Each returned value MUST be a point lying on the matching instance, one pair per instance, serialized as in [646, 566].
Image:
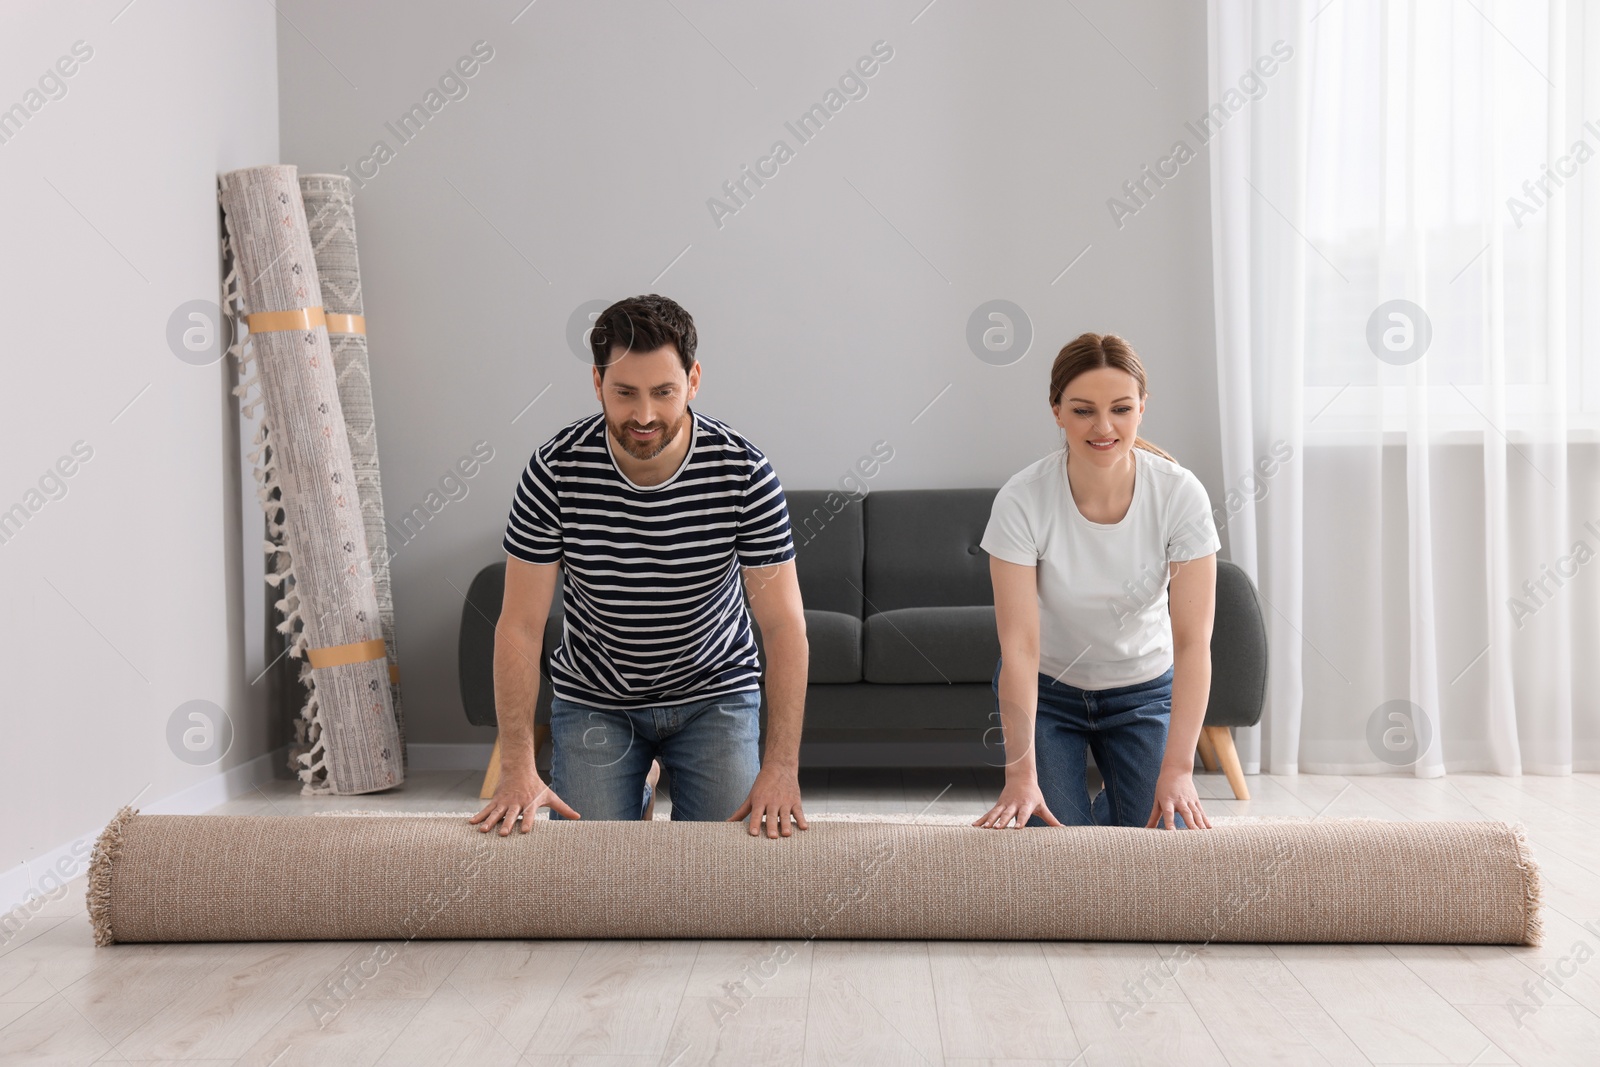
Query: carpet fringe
[98, 893]
[1532, 885]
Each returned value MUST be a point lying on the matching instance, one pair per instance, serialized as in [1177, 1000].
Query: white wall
[832, 308]
[123, 595]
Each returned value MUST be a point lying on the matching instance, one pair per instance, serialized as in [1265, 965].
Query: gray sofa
[900, 620]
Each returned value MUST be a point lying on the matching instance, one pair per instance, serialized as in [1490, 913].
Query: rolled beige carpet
[242, 878]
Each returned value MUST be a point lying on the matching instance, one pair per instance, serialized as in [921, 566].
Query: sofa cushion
[922, 548]
[948, 644]
[835, 640]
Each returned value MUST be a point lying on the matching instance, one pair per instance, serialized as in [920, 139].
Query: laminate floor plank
[872, 1003]
[999, 998]
[620, 998]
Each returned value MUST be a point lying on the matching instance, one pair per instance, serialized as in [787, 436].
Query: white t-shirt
[1103, 619]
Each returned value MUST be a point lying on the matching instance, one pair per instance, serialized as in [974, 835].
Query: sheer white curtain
[1407, 291]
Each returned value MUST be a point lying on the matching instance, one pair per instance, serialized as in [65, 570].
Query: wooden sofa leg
[491, 777]
[1208, 752]
[1222, 738]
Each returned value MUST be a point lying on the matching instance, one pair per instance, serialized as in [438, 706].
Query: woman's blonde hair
[1091, 351]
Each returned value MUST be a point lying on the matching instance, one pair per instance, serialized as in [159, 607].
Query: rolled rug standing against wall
[333, 618]
[331, 221]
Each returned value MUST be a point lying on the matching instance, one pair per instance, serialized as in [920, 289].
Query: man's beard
[645, 449]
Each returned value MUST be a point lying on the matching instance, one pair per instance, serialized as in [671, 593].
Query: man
[655, 511]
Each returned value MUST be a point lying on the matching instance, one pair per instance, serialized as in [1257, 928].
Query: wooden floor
[881, 1003]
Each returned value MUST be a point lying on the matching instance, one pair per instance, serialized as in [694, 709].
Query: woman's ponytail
[1139, 442]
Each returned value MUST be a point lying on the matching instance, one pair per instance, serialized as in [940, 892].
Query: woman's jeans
[599, 758]
[1125, 728]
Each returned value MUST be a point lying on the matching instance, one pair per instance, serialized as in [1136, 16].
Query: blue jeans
[1125, 728]
[599, 758]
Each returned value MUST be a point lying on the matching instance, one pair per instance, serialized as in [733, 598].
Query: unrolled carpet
[331, 223]
[241, 878]
[307, 485]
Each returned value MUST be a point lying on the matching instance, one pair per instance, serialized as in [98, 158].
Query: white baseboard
[895, 754]
[475, 757]
[41, 878]
[464, 756]
[231, 784]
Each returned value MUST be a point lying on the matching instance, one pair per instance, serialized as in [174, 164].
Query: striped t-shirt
[655, 612]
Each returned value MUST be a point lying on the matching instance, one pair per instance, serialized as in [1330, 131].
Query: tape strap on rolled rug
[359, 652]
[293, 319]
[306, 319]
[339, 655]
[163, 878]
[346, 323]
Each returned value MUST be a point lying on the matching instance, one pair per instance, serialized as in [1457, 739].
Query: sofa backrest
[828, 545]
[922, 548]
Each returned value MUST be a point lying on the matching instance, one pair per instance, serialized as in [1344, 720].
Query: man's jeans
[1125, 728]
[710, 748]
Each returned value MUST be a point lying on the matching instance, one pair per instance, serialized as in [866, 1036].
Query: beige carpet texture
[165, 878]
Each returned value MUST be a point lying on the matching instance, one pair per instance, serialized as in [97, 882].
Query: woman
[1088, 548]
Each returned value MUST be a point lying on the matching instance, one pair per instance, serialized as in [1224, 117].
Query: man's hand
[773, 798]
[1175, 792]
[520, 797]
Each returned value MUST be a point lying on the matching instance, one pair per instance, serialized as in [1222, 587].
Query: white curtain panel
[1406, 256]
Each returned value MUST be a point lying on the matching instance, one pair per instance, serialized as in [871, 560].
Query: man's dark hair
[642, 324]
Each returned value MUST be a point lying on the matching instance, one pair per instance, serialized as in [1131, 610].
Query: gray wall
[123, 581]
[832, 308]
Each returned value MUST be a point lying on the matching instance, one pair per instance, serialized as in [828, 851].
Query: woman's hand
[1175, 792]
[1019, 799]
